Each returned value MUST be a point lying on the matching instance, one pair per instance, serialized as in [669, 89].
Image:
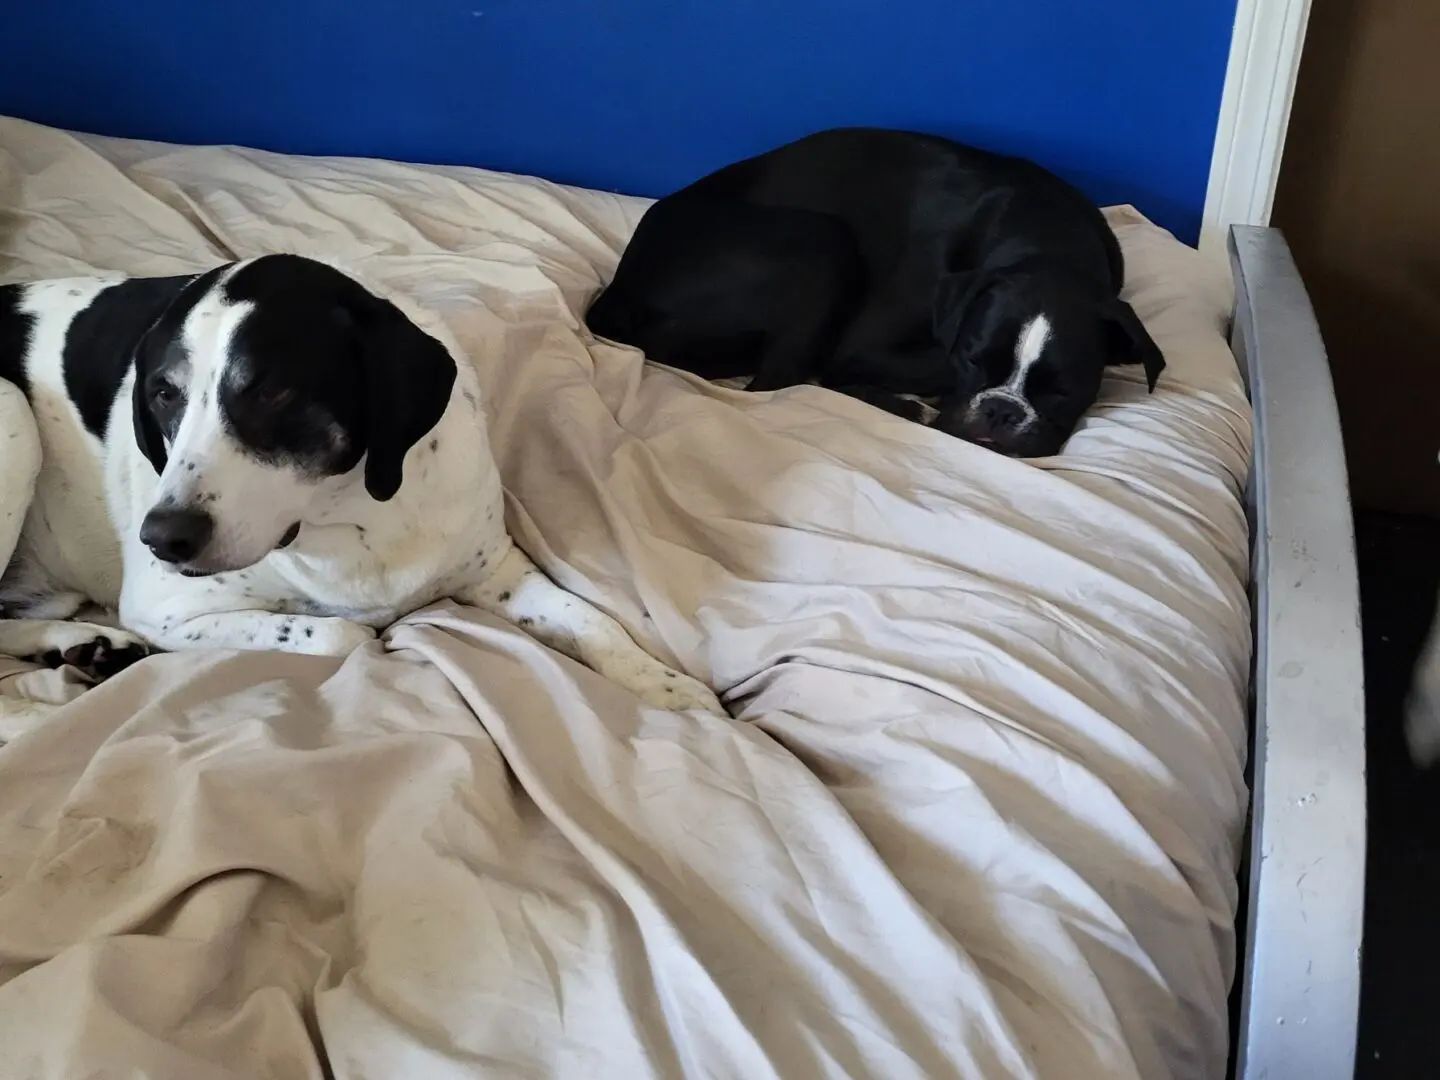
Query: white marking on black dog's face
[260, 383]
[1006, 405]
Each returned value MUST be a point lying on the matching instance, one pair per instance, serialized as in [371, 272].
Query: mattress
[977, 814]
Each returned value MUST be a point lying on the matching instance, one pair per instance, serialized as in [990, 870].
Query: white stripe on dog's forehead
[1029, 347]
[207, 334]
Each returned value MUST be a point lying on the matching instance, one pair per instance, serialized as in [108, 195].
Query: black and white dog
[885, 263]
[265, 456]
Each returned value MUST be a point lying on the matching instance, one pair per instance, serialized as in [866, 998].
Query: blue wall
[642, 95]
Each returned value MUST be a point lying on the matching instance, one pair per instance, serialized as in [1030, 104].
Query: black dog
[885, 263]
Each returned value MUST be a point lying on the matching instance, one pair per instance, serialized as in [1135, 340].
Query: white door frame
[1254, 117]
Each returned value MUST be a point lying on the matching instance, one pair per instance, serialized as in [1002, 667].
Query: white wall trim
[1254, 117]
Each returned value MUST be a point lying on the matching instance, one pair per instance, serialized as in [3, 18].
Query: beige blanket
[977, 814]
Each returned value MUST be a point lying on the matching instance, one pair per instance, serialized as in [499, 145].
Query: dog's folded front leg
[257, 630]
[520, 593]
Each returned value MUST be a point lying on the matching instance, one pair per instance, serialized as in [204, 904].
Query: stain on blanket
[96, 851]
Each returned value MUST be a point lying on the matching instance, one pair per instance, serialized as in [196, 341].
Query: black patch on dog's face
[320, 355]
[319, 373]
[291, 392]
[99, 342]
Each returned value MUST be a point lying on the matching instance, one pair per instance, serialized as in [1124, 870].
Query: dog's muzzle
[177, 535]
[1001, 415]
[1003, 423]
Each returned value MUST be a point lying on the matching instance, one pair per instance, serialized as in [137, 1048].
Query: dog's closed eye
[272, 397]
[265, 394]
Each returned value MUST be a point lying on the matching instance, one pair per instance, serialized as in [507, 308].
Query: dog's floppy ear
[159, 297]
[148, 435]
[1130, 342]
[953, 296]
[408, 378]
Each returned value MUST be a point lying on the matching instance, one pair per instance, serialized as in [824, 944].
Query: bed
[984, 808]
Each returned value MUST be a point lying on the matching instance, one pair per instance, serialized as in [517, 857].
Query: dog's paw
[96, 652]
[320, 636]
[917, 409]
[674, 690]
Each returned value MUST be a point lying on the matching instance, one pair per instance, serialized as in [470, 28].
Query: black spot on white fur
[325, 373]
[15, 330]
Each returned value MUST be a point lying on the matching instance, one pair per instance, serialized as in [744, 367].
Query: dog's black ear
[1130, 342]
[953, 296]
[148, 435]
[408, 379]
[153, 299]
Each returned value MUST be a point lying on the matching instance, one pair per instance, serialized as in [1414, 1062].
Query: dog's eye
[164, 394]
[271, 397]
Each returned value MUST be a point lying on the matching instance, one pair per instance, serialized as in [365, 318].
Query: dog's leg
[791, 356]
[236, 611]
[1422, 706]
[95, 650]
[98, 651]
[312, 635]
[816, 307]
[19, 467]
[520, 593]
[891, 343]
[905, 406]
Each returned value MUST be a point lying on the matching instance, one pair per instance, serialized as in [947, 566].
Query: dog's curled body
[269, 455]
[976, 292]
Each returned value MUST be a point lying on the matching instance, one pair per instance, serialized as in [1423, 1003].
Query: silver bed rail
[1301, 990]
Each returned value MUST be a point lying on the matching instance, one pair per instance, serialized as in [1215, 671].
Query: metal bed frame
[1300, 990]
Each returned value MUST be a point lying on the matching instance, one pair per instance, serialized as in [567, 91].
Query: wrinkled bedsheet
[977, 815]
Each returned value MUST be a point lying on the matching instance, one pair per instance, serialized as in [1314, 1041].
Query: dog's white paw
[652, 682]
[667, 689]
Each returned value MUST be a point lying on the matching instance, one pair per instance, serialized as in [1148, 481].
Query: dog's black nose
[1002, 413]
[176, 535]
